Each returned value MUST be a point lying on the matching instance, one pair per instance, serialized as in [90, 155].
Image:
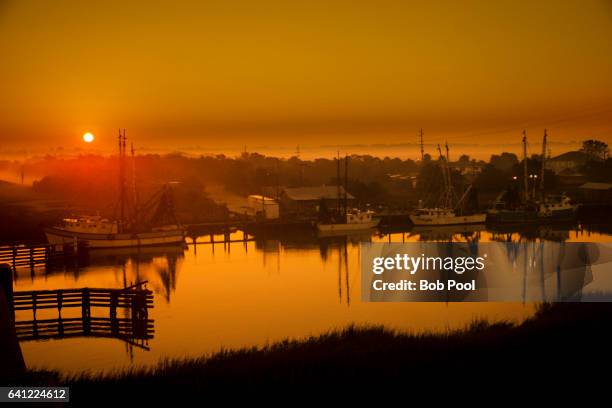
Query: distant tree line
[392, 182]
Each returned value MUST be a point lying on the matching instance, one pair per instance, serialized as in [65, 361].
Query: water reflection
[250, 292]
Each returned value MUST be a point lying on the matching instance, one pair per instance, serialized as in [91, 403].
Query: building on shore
[567, 162]
[263, 207]
[596, 193]
[304, 202]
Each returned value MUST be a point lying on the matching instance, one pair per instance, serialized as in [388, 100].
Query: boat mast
[543, 162]
[451, 192]
[338, 193]
[346, 160]
[525, 182]
[447, 154]
[446, 201]
[121, 184]
[134, 190]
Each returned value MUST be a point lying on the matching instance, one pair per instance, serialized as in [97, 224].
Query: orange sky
[225, 74]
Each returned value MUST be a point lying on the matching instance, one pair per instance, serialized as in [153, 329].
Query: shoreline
[557, 335]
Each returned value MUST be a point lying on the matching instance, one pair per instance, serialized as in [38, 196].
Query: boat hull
[511, 217]
[531, 217]
[349, 227]
[560, 215]
[59, 237]
[448, 220]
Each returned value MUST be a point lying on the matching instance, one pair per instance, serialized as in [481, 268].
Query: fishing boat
[345, 220]
[552, 209]
[450, 211]
[151, 224]
[557, 207]
[444, 216]
[356, 220]
[525, 207]
[85, 232]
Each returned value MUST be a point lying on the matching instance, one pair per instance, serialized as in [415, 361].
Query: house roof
[596, 186]
[316, 193]
[575, 156]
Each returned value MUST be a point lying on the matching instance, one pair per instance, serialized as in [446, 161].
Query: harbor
[324, 199]
[202, 283]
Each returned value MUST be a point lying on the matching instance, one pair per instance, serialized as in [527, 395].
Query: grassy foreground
[559, 338]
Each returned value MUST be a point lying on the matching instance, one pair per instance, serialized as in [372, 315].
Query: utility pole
[422, 147]
[297, 155]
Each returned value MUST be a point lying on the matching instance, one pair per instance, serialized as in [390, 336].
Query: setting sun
[88, 137]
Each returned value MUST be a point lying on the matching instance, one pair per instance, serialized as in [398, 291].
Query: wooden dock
[134, 298]
[62, 328]
[136, 329]
[32, 255]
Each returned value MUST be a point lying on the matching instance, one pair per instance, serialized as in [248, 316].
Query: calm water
[211, 297]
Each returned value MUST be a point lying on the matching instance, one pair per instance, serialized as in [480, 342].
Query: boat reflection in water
[254, 292]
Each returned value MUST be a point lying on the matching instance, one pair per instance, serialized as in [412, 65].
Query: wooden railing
[135, 332]
[136, 329]
[136, 299]
[30, 255]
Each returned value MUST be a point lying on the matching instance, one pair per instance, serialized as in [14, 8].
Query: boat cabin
[434, 212]
[90, 224]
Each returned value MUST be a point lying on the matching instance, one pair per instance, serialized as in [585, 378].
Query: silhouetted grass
[556, 339]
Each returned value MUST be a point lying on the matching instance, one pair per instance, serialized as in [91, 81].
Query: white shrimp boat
[95, 232]
[450, 210]
[533, 209]
[443, 216]
[356, 220]
[133, 229]
[345, 220]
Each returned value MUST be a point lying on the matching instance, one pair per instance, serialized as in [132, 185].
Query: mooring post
[113, 304]
[31, 257]
[114, 299]
[60, 299]
[139, 313]
[139, 305]
[6, 284]
[10, 352]
[86, 311]
[34, 299]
